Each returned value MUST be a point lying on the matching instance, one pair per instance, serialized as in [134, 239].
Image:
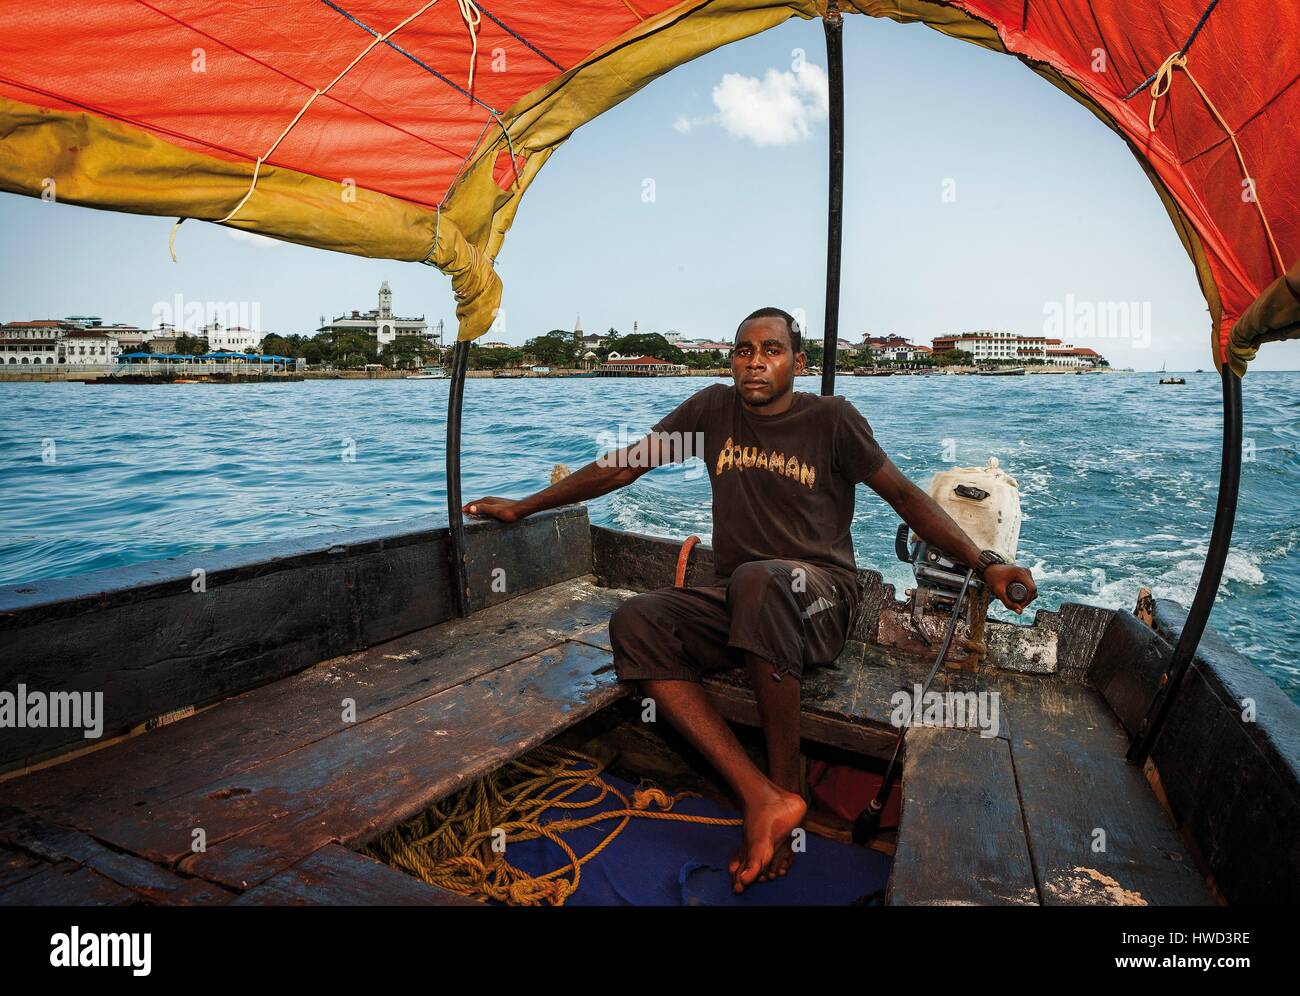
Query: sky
[977, 197]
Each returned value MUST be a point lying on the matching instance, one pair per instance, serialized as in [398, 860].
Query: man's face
[763, 364]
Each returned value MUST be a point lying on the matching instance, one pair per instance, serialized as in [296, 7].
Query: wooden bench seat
[341, 751]
[1053, 815]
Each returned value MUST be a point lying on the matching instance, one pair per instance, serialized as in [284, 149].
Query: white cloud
[261, 241]
[778, 109]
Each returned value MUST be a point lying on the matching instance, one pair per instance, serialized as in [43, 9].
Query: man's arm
[615, 470]
[937, 528]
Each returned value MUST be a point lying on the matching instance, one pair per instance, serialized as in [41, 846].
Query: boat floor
[265, 797]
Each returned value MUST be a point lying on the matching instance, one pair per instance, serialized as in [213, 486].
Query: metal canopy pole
[1225, 514]
[834, 26]
[455, 518]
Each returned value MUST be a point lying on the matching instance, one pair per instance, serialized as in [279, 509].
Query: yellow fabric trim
[102, 163]
[1272, 316]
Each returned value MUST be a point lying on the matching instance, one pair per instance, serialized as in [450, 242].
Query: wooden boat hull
[230, 707]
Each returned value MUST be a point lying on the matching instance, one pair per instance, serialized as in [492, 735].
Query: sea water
[1118, 475]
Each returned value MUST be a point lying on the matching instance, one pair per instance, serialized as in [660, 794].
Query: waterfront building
[704, 346]
[129, 338]
[382, 323]
[1035, 349]
[638, 366]
[893, 348]
[235, 339]
[87, 347]
[30, 343]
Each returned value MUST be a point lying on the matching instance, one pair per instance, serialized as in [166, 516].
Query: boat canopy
[410, 131]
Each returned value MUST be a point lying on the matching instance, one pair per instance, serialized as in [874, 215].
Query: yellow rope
[450, 845]
[171, 239]
[1160, 85]
[257, 168]
[470, 14]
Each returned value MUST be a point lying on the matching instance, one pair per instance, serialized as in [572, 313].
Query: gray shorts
[788, 613]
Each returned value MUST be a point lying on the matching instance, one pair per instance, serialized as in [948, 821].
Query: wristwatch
[987, 558]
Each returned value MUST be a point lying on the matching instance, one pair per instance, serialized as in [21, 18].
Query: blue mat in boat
[669, 863]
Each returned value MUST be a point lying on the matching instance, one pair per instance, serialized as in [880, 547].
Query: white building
[894, 347]
[993, 345]
[383, 324]
[88, 347]
[703, 346]
[130, 338]
[30, 343]
[235, 339]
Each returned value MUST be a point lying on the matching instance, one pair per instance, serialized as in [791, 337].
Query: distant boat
[428, 373]
[1010, 372]
[1170, 380]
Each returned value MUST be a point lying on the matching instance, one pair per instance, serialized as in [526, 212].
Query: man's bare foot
[765, 848]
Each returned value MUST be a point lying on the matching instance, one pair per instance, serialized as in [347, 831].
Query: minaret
[385, 301]
[577, 339]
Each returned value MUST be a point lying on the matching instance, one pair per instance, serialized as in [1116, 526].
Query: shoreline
[81, 375]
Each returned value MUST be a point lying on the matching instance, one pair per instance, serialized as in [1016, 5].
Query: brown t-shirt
[783, 485]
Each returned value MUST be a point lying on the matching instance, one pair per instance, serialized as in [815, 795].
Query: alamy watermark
[34, 710]
[194, 316]
[102, 950]
[1073, 319]
[959, 710]
[632, 449]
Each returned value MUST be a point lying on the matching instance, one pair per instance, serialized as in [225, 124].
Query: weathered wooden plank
[148, 881]
[1229, 763]
[1078, 793]
[1082, 628]
[503, 561]
[274, 719]
[351, 786]
[16, 866]
[1238, 804]
[960, 838]
[1126, 668]
[850, 703]
[336, 876]
[825, 708]
[67, 884]
[644, 563]
[191, 630]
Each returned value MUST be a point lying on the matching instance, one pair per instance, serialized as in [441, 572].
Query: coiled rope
[457, 843]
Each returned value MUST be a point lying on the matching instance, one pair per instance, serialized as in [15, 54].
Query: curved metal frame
[834, 26]
[455, 518]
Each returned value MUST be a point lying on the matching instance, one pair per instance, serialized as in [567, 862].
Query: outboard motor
[948, 607]
[985, 502]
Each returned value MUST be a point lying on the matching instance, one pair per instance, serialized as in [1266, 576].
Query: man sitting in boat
[784, 466]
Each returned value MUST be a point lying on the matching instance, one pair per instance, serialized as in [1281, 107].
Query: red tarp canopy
[376, 140]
